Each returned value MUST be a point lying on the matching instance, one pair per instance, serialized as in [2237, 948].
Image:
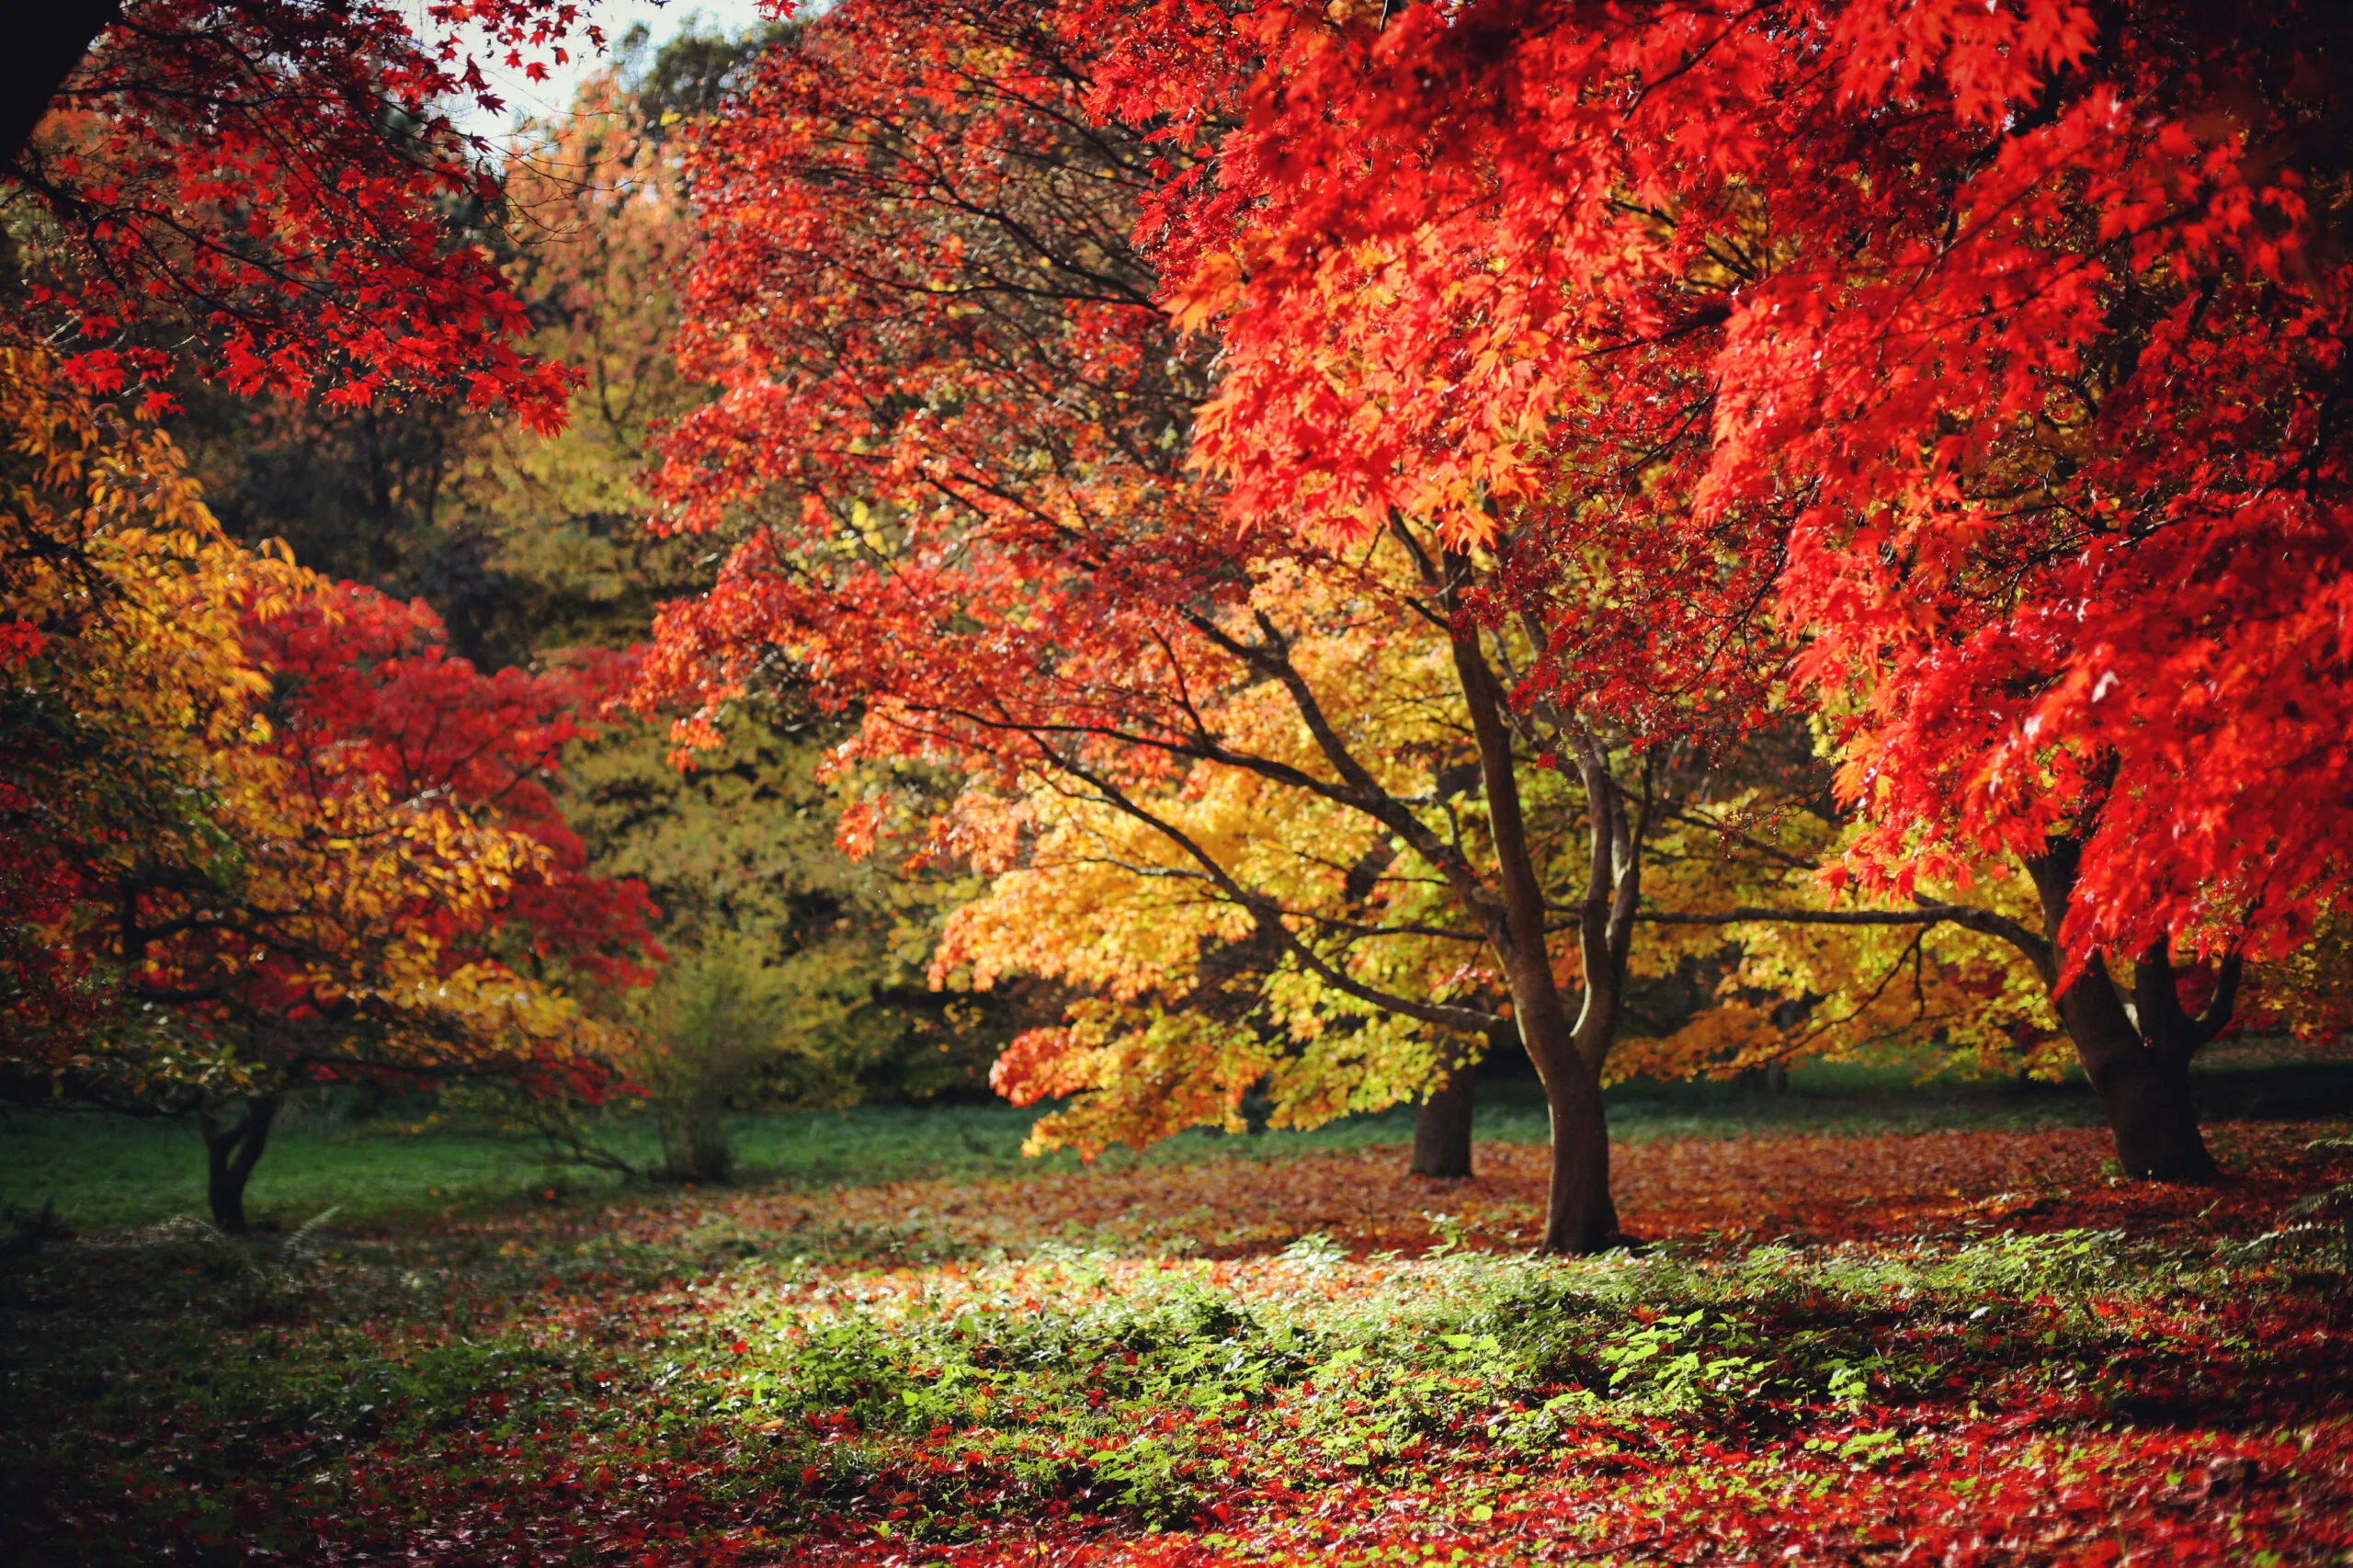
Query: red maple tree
[2019, 329]
[317, 959]
[365, 686]
[955, 445]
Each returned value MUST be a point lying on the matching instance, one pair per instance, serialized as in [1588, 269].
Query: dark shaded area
[50, 40]
[2287, 1092]
[1831, 1097]
[1442, 1128]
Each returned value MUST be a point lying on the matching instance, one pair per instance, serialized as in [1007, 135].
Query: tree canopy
[1920, 392]
[270, 833]
[275, 191]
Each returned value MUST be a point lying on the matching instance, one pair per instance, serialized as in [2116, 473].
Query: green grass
[103, 1171]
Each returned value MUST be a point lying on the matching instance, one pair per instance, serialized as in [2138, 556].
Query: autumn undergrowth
[555, 1384]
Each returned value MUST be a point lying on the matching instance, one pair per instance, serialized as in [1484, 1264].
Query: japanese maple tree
[276, 837]
[2015, 337]
[462, 903]
[954, 443]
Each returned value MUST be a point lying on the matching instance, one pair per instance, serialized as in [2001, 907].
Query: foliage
[527, 547]
[1942, 995]
[739, 853]
[276, 190]
[129, 692]
[2014, 340]
[727, 1027]
[283, 837]
[950, 448]
[524, 542]
[1134, 904]
[936, 558]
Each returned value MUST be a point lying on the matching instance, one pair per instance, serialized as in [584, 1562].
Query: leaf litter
[1955, 1348]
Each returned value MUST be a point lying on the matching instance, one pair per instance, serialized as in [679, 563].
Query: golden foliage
[215, 904]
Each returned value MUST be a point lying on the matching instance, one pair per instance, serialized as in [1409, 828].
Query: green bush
[725, 1028]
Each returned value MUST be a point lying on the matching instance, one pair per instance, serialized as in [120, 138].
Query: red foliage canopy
[367, 690]
[284, 178]
[954, 434]
[958, 433]
[951, 428]
[2027, 319]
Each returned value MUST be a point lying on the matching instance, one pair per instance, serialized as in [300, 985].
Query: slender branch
[1266, 914]
[1930, 914]
[2224, 1001]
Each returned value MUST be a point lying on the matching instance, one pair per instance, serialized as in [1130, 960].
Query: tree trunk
[1442, 1126]
[1579, 1215]
[2140, 1070]
[231, 1152]
[1605, 935]
[2146, 1096]
[2156, 1123]
[45, 43]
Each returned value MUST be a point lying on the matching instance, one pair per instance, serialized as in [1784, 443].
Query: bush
[726, 1028]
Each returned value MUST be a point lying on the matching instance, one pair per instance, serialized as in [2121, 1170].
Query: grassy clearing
[104, 1171]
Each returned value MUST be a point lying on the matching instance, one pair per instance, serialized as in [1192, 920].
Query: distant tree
[738, 851]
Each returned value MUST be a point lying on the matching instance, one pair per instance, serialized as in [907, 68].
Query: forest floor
[1962, 1345]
